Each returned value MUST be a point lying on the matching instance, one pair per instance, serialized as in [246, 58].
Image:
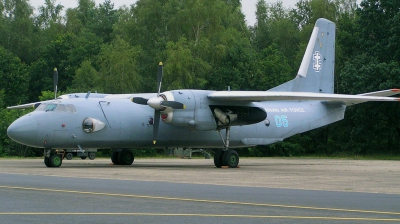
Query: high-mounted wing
[25, 106]
[257, 96]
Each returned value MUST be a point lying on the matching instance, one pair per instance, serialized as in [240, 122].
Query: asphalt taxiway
[187, 191]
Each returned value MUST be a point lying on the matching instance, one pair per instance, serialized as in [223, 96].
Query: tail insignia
[317, 61]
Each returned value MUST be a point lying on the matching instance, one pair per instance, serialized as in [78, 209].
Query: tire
[231, 158]
[126, 157]
[83, 157]
[218, 158]
[92, 155]
[69, 155]
[114, 157]
[47, 161]
[55, 160]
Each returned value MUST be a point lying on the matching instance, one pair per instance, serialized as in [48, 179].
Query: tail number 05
[281, 121]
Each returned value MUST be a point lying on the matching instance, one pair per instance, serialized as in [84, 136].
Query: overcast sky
[248, 6]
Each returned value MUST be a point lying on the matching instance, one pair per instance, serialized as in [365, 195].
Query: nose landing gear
[53, 158]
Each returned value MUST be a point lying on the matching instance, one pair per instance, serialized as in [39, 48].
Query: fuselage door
[112, 117]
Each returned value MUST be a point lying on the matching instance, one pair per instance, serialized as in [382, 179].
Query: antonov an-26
[201, 119]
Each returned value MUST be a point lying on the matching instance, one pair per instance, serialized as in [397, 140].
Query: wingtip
[395, 90]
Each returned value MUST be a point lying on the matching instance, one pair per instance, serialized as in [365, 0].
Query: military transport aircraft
[219, 120]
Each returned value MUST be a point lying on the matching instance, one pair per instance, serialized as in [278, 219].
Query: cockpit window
[50, 107]
[61, 107]
[41, 107]
[56, 107]
[70, 108]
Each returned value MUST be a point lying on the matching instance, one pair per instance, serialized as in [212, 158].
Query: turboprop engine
[199, 113]
[196, 115]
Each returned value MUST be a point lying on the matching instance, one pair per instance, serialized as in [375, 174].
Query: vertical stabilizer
[316, 72]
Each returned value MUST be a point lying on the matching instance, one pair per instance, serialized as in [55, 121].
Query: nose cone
[24, 130]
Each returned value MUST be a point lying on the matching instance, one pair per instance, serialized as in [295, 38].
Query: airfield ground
[370, 176]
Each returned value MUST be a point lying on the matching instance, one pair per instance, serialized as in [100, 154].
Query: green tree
[14, 76]
[180, 67]
[86, 79]
[18, 34]
[49, 14]
[105, 16]
[118, 67]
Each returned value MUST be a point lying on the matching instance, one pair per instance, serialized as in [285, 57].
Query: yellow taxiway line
[200, 215]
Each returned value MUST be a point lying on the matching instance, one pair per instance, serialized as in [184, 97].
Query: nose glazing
[24, 130]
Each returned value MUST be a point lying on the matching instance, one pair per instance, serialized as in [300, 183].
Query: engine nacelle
[197, 114]
[237, 115]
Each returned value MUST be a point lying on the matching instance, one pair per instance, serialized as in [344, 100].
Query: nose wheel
[52, 158]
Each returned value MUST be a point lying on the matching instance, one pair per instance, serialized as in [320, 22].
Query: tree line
[204, 44]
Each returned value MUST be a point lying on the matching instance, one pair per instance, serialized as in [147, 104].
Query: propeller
[158, 103]
[157, 112]
[55, 82]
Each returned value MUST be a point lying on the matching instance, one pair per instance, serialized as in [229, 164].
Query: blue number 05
[281, 120]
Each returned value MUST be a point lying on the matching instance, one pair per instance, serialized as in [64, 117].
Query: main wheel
[92, 155]
[126, 157]
[69, 155]
[83, 157]
[55, 160]
[47, 161]
[230, 158]
[114, 157]
[218, 158]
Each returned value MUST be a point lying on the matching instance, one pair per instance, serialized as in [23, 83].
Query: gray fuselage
[129, 125]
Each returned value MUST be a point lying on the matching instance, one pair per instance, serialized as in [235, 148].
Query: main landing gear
[122, 157]
[226, 157]
[53, 158]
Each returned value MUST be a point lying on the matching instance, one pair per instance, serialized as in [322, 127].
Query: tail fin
[316, 72]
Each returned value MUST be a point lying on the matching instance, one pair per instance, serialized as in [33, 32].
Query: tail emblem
[317, 61]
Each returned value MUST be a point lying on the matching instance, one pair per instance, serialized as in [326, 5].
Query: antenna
[55, 81]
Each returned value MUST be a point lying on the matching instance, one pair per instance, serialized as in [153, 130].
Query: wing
[25, 106]
[256, 96]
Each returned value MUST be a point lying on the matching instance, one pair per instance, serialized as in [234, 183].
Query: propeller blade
[173, 104]
[55, 82]
[156, 124]
[159, 78]
[139, 100]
